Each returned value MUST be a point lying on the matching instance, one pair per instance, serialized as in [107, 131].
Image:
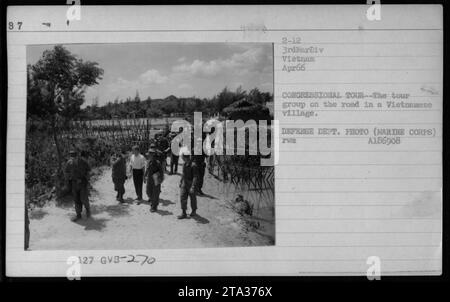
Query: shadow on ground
[164, 212]
[128, 200]
[165, 202]
[37, 214]
[92, 224]
[114, 210]
[200, 219]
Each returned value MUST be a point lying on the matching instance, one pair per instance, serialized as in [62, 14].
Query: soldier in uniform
[78, 170]
[162, 148]
[188, 183]
[119, 174]
[153, 179]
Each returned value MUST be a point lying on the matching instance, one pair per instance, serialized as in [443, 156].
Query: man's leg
[172, 163]
[140, 182]
[211, 163]
[201, 177]
[149, 189]
[164, 163]
[121, 190]
[84, 198]
[138, 179]
[176, 164]
[184, 192]
[193, 199]
[155, 196]
[116, 188]
[135, 181]
[77, 202]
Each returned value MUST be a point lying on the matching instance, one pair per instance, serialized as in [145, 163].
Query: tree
[256, 96]
[57, 83]
[56, 87]
[137, 99]
[227, 97]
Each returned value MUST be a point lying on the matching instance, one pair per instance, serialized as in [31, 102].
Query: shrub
[43, 181]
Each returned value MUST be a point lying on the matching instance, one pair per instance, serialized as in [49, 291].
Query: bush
[43, 181]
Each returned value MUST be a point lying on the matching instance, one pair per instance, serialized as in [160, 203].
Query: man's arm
[146, 171]
[129, 167]
[145, 165]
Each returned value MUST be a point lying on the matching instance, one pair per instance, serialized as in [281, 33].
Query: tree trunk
[59, 181]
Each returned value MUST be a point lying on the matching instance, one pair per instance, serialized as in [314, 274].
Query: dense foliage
[42, 178]
[56, 85]
[172, 105]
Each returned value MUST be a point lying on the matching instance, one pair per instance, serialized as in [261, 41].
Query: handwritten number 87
[11, 25]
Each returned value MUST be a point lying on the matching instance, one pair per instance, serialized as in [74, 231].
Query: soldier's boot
[183, 215]
[88, 213]
[193, 213]
[76, 218]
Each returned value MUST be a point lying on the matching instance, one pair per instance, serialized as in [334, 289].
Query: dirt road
[132, 226]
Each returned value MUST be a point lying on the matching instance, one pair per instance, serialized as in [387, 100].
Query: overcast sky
[162, 69]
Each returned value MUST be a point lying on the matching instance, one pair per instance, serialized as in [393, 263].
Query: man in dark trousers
[201, 165]
[119, 174]
[162, 148]
[153, 178]
[137, 166]
[188, 183]
[78, 170]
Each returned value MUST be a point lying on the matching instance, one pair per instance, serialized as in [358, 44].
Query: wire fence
[255, 184]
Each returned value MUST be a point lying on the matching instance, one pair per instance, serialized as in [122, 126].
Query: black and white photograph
[107, 167]
[215, 142]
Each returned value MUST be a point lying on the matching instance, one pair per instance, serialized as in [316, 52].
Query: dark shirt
[77, 169]
[153, 166]
[162, 144]
[119, 168]
[190, 174]
[199, 159]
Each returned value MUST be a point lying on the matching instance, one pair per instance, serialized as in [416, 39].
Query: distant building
[177, 114]
[132, 115]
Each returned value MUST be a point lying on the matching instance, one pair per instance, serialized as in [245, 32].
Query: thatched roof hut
[246, 110]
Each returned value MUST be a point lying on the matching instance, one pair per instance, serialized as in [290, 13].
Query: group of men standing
[148, 170]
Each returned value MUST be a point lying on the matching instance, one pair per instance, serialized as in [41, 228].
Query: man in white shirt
[137, 165]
